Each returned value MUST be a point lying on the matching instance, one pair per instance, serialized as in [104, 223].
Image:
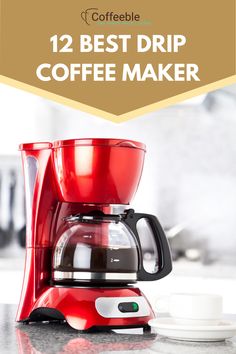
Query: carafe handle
[164, 255]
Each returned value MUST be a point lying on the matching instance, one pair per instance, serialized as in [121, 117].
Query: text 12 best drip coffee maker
[83, 244]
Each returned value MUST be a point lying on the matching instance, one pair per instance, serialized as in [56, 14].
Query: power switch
[128, 307]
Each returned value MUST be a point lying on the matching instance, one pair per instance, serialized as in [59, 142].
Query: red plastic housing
[78, 306]
[100, 171]
[65, 178]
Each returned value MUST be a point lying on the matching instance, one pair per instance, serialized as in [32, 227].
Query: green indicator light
[135, 306]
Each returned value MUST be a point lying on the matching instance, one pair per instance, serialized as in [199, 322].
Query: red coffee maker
[83, 243]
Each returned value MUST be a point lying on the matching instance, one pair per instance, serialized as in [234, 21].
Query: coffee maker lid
[35, 146]
[99, 142]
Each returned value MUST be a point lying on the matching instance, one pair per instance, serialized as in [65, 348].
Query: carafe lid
[93, 218]
[99, 142]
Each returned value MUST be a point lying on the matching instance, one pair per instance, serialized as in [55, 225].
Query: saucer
[168, 327]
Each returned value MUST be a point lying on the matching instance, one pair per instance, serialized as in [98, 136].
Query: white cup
[196, 309]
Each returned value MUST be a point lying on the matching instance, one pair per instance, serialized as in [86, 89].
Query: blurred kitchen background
[189, 182]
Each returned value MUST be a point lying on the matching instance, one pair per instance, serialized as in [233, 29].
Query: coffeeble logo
[86, 15]
[93, 14]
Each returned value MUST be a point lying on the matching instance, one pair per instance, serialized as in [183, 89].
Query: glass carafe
[103, 248]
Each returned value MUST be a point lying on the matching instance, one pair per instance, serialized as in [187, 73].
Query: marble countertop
[60, 338]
